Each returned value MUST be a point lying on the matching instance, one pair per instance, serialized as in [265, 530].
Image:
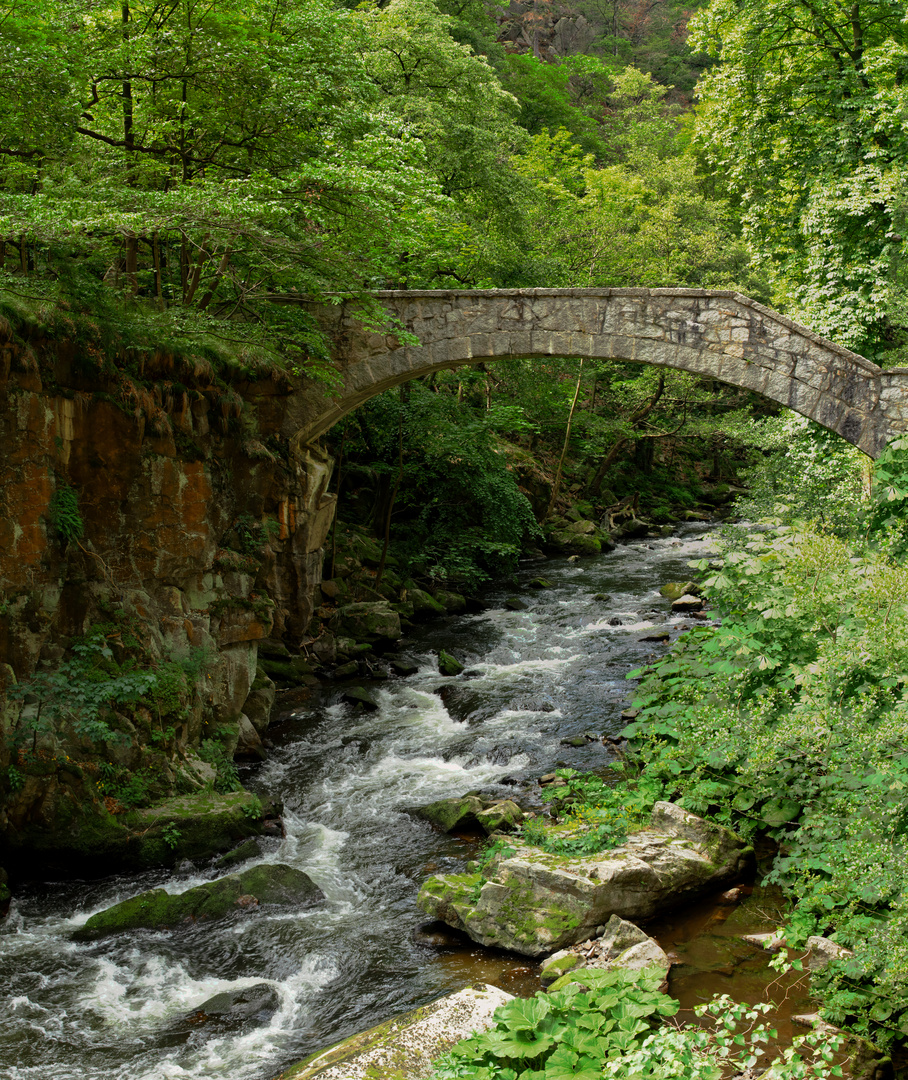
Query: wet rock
[674, 590]
[576, 740]
[361, 698]
[534, 902]
[514, 603]
[629, 714]
[425, 606]
[249, 849]
[540, 583]
[466, 705]
[260, 701]
[405, 1047]
[362, 745]
[404, 667]
[231, 1011]
[157, 909]
[5, 894]
[602, 597]
[346, 671]
[451, 815]
[447, 665]
[500, 816]
[615, 622]
[687, 603]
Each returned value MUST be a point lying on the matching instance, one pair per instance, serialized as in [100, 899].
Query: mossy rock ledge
[534, 902]
[268, 883]
[403, 1048]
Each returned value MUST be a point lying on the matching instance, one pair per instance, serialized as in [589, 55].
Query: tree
[803, 117]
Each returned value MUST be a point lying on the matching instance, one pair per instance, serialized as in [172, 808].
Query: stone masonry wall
[720, 335]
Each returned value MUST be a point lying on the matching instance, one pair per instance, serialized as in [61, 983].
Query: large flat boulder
[268, 883]
[403, 1048]
[535, 902]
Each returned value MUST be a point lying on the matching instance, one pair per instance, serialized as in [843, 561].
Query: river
[118, 1008]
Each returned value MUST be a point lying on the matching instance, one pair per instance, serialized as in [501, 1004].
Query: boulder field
[533, 902]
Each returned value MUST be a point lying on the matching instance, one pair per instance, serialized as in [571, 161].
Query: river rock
[404, 667]
[451, 815]
[230, 1011]
[404, 1047]
[249, 849]
[534, 902]
[686, 603]
[447, 665]
[500, 816]
[361, 698]
[5, 894]
[622, 944]
[674, 590]
[425, 606]
[369, 622]
[453, 603]
[269, 883]
[249, 743]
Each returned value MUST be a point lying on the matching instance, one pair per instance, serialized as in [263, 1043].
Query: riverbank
[346, 777]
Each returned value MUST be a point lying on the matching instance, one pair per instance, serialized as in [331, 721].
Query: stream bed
[124, 1007]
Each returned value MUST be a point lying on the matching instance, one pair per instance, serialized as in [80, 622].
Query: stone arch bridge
[719, 335]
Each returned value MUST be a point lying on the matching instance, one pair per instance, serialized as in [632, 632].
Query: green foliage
[802, 120]
[458, 515]
[171, 835]
[791, 719]
[214, 751]
[607, 1025]
[65, 516]
[571, 1032]
[800, 471]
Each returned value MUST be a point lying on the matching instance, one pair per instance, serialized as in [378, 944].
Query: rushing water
[118, 1008]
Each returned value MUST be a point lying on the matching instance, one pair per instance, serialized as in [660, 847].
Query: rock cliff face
[153, 511]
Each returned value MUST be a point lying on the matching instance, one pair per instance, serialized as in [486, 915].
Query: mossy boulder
[230, 1012]
[448, 665]
[369, 622]
[193, 826]
[268, 883]
[404, 1047]
[674, 590]
[425, 606]
[500, 816]
[534, 902]
[450, 815]
[453, 603]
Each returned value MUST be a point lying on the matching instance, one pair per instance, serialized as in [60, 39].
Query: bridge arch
[717, 334]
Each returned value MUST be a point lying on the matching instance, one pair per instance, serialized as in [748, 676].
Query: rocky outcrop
[268, 883]
[533, 902]
[404, 1047]
[137, 512]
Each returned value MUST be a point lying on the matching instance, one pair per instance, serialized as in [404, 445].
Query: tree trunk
[567, 438]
